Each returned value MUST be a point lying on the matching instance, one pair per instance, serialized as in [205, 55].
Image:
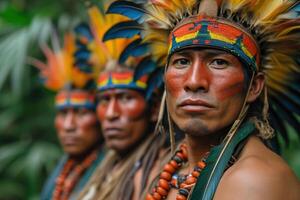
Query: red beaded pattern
[69, 176]
[165, 181]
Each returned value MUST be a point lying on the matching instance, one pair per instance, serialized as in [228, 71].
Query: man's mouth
[70, 140]
[195, 105]
[113, 132]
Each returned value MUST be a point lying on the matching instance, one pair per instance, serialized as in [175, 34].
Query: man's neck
[198, 147]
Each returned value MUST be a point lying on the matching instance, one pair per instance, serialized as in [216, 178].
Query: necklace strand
[167, 178]
[69, 176]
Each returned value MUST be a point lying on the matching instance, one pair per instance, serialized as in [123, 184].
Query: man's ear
[256, 87]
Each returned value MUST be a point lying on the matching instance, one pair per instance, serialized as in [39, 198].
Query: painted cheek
[101, 111]
[85, 122]
[133, 110]
[174, 82]
[230, 86]
[58, 123]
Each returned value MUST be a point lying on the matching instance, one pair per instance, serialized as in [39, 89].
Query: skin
[124, 118]
[78, 130]
[204, 99]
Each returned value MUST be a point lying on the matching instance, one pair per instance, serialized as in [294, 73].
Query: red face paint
[205, 89]
[122, 113]
[78, 130]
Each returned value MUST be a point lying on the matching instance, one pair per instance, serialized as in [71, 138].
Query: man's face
[124, 122]
[205, 90]
[78, 130]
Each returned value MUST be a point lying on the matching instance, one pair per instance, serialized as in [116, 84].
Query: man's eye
[103, 100]
[181, 62]
[82, 111]
[125, 97]
[219, 63]
[62, 112]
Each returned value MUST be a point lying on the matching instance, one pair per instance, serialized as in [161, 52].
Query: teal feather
[287, 115]
[145, 66]
[276, 122]
[126, 29]
[135, 49]
[129, 9]
[217, 162]
[155, 82]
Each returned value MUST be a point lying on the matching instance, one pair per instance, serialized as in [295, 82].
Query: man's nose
[113, 110]
[69, 124]
[197, 78]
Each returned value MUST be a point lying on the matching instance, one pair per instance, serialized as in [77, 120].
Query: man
[76, 123]
[221, 57]
[127, 108]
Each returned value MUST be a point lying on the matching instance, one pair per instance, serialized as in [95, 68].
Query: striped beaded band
[122, 80]
[216, 33]
[75, 99]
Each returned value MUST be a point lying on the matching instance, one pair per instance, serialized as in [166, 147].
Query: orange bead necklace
[168, 179]
[65, 182]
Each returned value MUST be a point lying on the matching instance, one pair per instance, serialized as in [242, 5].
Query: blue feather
[126, 29]
[276, 122]
[129, 9]
[155, 81]
[135, 49]
[288, 117]
[296, 9]
[80, 45]
[83, 66]
[82, 55]
[146, 66]
[290, 102]
[84, 30]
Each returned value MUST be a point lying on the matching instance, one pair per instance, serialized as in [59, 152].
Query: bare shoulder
[259, 174]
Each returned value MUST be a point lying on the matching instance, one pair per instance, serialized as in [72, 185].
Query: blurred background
[28, 145]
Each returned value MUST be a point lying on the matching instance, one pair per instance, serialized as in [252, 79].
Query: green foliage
[28, 147]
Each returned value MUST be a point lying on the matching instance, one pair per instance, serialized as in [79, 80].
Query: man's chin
[194, 127]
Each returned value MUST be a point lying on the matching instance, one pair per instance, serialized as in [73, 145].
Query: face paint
[204, 90]
[122, 113]
[78, 130]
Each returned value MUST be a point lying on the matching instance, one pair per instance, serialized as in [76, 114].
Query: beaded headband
[110, 80]
[74, 99]
[217, 33]
[59, 73]
[123, 63]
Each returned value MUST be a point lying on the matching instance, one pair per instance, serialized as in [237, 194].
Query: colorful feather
[145, 66]
[129, 9]
[135, 49]
[127, 29]
[155, 82]
[59, 69]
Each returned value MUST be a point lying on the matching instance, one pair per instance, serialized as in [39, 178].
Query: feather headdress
[123, 62]
[59, 70]
[263, 34]
[60, 74]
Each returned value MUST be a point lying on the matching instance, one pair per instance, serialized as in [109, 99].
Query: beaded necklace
[71, 172]
[169, 179]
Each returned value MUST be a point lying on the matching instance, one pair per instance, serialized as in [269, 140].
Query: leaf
[10, 152]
